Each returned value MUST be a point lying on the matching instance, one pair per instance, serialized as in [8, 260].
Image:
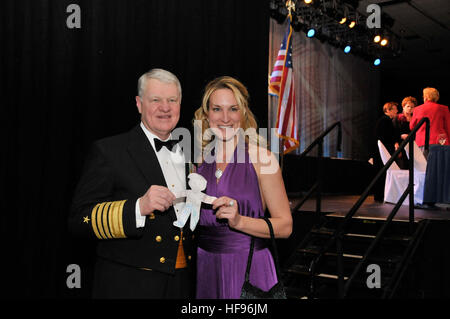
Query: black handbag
[251, 292]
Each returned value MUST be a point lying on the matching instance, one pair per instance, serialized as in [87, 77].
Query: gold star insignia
[86, 220]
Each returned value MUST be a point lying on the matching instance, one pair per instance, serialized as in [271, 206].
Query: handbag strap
[274, 249]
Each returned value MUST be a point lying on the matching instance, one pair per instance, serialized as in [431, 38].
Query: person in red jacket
[439, 116]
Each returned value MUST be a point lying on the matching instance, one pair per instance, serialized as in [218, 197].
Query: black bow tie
[168, 144]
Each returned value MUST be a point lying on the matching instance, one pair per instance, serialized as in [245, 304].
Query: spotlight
[377, 39]
[343, 20]
[377, 62]
[347, 49]
[308, 1]
[384, 42]
[352, 24]
[311, 32]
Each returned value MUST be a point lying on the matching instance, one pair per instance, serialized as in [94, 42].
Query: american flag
[281, 83]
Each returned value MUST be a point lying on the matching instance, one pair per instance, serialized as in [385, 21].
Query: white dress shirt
[173, 168]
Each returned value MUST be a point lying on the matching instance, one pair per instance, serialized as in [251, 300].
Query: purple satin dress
[223, 252]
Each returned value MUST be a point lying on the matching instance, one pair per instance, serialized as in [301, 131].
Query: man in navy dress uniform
[125, 200]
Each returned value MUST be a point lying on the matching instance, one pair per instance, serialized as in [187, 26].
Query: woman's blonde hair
[242, 97]
[430, 94]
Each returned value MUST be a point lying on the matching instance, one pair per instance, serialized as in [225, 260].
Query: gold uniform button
[158, 239]
[189, 257]
[162, 260]
[151, 216]
[177, 238]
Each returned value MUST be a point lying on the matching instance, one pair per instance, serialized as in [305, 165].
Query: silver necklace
[218, 173]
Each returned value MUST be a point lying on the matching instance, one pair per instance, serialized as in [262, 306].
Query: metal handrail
[317, 187]
[338, 233]
[388, 164]
[401, 268]
[321, 136]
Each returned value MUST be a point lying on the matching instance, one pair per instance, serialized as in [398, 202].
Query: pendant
[218, 173]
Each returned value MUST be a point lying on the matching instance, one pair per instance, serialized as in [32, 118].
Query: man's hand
[156, 198]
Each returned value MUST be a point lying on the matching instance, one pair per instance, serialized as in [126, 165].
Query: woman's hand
[227, 209]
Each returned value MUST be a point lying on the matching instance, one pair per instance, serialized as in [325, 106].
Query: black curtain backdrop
[63, 88]
[397, 83]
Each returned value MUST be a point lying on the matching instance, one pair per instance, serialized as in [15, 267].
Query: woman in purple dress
[246, 179]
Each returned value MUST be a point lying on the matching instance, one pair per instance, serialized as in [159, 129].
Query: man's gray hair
[160, 75]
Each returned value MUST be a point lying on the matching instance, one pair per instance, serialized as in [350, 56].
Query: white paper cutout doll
[194, 199]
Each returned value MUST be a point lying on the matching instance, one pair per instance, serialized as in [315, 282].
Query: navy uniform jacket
[118, 171]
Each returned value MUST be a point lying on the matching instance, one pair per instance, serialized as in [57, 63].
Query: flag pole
[290, 5]
[285, 54]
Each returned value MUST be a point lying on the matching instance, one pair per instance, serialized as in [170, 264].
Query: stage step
[365, 225]
[393, 237]
[359, 233]
[315, 251]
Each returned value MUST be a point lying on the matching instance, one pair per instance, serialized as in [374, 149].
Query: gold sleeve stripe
[110, 225]
[112, 217]
[105, 221]
[122, 232]
[94, 221]
[117, 219]
[101, 211]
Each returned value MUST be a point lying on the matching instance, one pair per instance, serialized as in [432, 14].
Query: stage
[339, 205]
[426, 271]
